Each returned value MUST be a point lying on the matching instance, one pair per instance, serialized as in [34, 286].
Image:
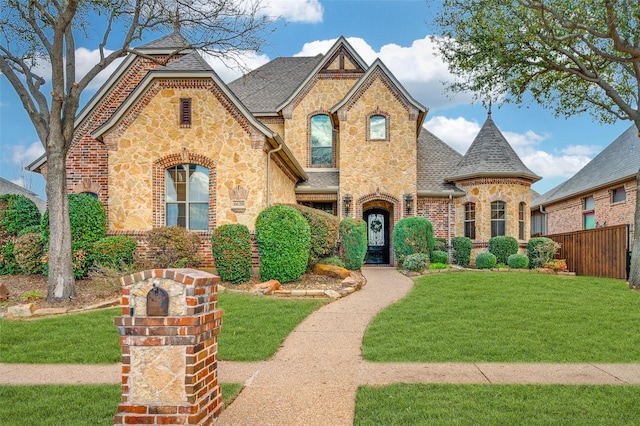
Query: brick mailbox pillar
[169, 334]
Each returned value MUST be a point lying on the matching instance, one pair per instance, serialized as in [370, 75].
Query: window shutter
[185, 112]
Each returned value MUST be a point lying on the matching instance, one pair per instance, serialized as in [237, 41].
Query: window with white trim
[498, 218]
[321, 140]
[187, 196]
[470, 220]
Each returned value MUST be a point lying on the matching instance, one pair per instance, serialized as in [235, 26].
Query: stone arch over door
[383, 208]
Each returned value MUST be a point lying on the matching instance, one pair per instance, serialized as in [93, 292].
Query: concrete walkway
[313, 378]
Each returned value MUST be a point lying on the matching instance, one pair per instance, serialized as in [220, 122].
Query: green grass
[77, 405]
[253, 328]
[509, 317]
[438, 404]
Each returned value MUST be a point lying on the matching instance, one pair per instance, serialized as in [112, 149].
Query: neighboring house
[602, 193]
[8, 187]
[174, 145]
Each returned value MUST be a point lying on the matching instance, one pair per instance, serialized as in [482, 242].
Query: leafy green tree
[38, 41]
[570, 56]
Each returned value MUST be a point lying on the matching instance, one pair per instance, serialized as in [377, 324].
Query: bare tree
[38, 41]
[569, 56]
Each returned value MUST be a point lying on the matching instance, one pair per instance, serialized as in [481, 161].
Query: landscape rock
[49, 311]
[267, 287]
[25, 310]
[331, 271]
[332, 294]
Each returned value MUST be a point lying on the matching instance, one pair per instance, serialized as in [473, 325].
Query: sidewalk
[314, 377]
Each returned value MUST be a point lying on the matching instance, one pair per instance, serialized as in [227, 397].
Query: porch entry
[378, 236]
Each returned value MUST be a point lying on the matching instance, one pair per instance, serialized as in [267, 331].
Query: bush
[172, 247]
[461, 251]
[8, 264]
[353, 233]
[28, 251]
[412, 235]
[541, 251]
[332, 260]
[518, 261]
[284, 239]
[324, 229]
[115, 252]
[231, 247]
[485, 260]
[438, 256]
[440, 244]
[416, 262]
[503, 247]
[438, 266]
[17, 213]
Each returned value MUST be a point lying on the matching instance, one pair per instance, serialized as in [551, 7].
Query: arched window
[377, 127]
[498, 218]
[321, 140]
[521, 221]
[470, 220]
[187, 196]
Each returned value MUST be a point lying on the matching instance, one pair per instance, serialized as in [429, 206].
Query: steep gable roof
[618, 162]
[172, 41]
[435, 160]
[490, 155]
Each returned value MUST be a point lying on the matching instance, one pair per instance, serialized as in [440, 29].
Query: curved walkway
[314, 377]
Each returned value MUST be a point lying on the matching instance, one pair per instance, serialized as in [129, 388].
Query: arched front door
[378, 236]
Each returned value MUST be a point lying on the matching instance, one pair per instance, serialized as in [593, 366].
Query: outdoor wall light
[347, 204]
[408, 203]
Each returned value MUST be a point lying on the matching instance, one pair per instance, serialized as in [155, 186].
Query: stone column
[169, 335]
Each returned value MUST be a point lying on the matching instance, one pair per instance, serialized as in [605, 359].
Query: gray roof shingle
[490, 155]
[618, 161]
[190, 62]
[435, 160]
[175, 40]
[265, 88]
[321, 180]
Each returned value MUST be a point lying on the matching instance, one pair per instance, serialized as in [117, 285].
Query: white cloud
[304, 11]
[25, 155]
[585, 150]
[456, 132]
[86, 59]
[229, 70]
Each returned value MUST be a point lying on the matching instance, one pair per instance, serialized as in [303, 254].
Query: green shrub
[440, 244]
[438, 256]
[116, 251]
[518, 261]
[461, 251]
[17, 213]
[332, 260]
[28, 251]
[324, 229]
[503, 247]
[438, 266]
[353, 233]
[231, 247]
[485, 260]
[540, 251]
[416, 262]
[412, 235]
[172, 247]
[8, 264]
[284, 239]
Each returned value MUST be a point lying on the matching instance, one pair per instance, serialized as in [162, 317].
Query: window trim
[522, 220]
[187, 203]
[614, 191]
[498, 221]
[311, 147]
[469, 225]
[588, 211]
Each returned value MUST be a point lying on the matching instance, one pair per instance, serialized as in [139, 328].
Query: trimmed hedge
[324, 229]
[461, 251]
[284, 239]
[28, 251]
[485, 260]
[439, 256]
[231, 247]
[503, 247]
[116, 251]
[353, 233]
[440, 244]
[412, 235]
[17, 213]
[540, 250]
[172, 247]
[518, 261]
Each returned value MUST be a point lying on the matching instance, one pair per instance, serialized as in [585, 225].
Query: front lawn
[509, 317]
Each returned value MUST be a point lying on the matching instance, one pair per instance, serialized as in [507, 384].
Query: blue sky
[397, 32]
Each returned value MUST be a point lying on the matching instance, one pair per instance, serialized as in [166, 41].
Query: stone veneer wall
[566, 216]
[169, 363]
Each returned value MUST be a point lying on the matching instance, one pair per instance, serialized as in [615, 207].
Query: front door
[378, 236]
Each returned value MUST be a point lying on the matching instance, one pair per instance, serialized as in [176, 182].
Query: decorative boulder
[331, 271]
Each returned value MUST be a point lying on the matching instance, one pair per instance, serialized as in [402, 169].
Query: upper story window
[187, 196]
[321, 141]
[618, 195]
[185, 112]
[470, 220]
[498, 218]
[521, 220]
[588, 213]
[377, 127]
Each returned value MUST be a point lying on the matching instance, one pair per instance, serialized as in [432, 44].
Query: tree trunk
[61, 284]
[634, 276]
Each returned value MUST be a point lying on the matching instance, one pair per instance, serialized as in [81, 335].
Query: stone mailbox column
[169, 334]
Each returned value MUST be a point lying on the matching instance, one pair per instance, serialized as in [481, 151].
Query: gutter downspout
[542, 210]
[269, 171]
[449, 228]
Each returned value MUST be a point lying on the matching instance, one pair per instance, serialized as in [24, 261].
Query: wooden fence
[601, 252]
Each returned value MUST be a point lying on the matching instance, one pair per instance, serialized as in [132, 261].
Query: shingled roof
[174, 41]
[265, 88]
[490, 155]
[436, 159]
[190, 62]
[616, 163]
